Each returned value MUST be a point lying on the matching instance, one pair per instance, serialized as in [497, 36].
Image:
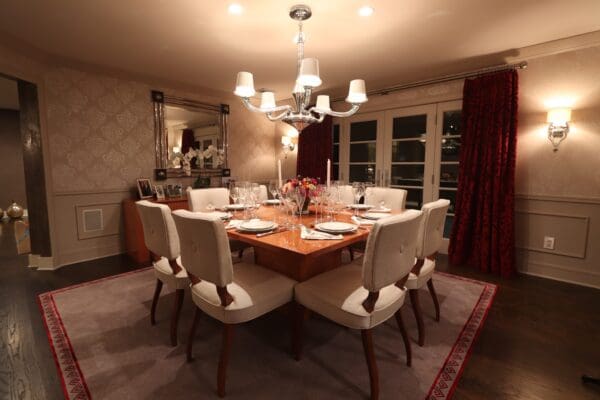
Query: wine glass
[273, 187]
[300, 199]
[315, 194]
[358, 190]
[234, 192]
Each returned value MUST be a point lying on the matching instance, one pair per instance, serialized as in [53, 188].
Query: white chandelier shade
[307, 79]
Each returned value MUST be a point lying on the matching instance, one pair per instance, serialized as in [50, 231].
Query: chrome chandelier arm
[280, 116]
[252, 107]
[341, 114]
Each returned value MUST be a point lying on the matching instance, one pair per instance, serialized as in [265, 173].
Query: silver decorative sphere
[14, 211]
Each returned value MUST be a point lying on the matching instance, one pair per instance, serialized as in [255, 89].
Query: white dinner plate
[221, 214]
[336, 227]
[360, 206]
[375, 215]
[381, 210]
[272, 202]
[235, 207]
[257, 225]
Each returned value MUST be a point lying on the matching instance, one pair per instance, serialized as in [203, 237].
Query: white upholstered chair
[232, 294]
[346, 195]
[160, 236]
[202, 200]
[393, 198]
[431, 232]
[366, 293]
[263, 195]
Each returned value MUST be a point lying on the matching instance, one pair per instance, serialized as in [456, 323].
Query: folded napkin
[362, 221]
[234, 223]
[310, 234]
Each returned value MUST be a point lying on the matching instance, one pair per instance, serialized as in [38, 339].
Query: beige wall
[99, 137]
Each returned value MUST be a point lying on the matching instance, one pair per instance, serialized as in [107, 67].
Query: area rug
[105, 347]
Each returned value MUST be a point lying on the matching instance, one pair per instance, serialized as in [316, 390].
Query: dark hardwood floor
[540, 335]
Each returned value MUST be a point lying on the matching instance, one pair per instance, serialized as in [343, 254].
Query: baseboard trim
[544, 270]
[41, 263]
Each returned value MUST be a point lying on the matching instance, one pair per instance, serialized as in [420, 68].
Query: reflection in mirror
[188, 129]
[190, 136]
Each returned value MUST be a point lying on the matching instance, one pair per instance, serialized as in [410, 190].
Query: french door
[412, 148]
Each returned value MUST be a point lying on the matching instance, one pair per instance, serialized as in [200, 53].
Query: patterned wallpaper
[101, 132]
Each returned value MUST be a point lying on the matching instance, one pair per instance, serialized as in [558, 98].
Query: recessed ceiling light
[235, 9]
[365, 11]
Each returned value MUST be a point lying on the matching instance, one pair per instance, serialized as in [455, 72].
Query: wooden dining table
[300, 259]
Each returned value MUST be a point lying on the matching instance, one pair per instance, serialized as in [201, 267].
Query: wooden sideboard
[134, 233]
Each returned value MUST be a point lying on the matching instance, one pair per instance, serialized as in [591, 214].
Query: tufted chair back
[200, 199]
[392, 198]
[204, 246]
[160, 234]
[263, 195]
[346, 195]
[431, 231]
[390, 250]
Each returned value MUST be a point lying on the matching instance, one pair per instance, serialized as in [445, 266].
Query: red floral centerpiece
[307, 184]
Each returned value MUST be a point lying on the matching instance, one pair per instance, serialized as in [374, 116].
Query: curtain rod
[445, 78]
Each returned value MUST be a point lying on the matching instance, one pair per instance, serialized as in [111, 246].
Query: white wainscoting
[74, 242]
[575, 225]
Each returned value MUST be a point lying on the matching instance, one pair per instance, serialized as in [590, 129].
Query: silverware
[259, 235]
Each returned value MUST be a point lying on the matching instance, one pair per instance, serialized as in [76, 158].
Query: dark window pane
[336, 153]
[362, 152]
[335, 172]
[408, 151]
[414, 199]
[448, 226]
[410, 127]
[407, 175]
[449, 176]
[449, 195]
[362, 173]
[361, 131]
[451, 149]
[452, 122]
[336, 134]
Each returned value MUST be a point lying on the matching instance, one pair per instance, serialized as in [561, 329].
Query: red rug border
[478, 316]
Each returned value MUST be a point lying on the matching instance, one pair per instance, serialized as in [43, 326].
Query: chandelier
[307, 79]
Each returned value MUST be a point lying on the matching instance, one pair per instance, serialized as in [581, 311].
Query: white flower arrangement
[210, 152]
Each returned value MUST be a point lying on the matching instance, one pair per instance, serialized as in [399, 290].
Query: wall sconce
[558, 127]
[287, 144]
[176, 150]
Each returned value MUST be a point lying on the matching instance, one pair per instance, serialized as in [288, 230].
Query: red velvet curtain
[187, 140]
[483, 230]
[315, 145]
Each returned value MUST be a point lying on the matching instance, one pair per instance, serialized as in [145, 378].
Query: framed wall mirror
[190, 136]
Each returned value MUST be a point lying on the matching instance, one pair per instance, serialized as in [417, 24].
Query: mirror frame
[159, 100]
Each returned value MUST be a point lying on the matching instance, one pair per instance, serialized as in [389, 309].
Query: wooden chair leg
[297, 330]
[192, 335]
[436, 303]
[157, 290]
[224, 359]
[367, 339]
[416, 306]
[175, 317]
[404, 334]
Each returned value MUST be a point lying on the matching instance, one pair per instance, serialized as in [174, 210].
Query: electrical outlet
[549, 242]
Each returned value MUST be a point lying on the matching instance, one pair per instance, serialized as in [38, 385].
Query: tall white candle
[328, 172]
[279, 173]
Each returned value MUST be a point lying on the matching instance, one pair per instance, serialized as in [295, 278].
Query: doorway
[24, 218]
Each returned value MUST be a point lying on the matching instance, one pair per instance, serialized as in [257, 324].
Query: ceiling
[181, 118]
[199, 43]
